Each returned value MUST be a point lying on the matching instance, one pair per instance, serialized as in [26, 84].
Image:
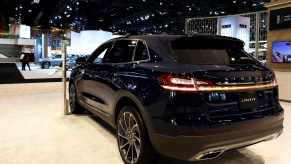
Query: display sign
[280, 19]
[56, 45]
[281, 52]
[24, 31]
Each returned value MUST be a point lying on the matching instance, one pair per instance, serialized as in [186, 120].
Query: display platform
[13, 73]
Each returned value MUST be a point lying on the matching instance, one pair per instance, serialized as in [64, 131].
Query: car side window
[98, 55]
[141, 52]
[57, 57]
[121, 52]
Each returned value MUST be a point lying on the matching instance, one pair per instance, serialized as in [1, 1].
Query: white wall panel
[86, 42]
[284, 79]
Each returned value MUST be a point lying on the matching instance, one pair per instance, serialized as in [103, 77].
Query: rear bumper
[204, 146]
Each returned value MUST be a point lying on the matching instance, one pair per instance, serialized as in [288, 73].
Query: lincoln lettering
[248, 100]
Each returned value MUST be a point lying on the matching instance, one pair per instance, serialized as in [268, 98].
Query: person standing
[26, 60]
[22, 61]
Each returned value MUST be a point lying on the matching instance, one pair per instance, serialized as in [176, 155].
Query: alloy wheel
[72, 97]
[46, 65]
[129, 137]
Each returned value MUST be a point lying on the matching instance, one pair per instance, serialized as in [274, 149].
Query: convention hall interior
[45, 74]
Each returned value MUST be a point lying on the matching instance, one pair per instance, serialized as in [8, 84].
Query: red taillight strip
[231, 88]
[218, 88]
[176, 88]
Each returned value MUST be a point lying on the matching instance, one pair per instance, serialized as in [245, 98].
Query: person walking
[22, 61]
[26, 60]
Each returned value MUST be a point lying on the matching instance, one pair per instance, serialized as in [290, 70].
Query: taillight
[179, 83]
[176, 83]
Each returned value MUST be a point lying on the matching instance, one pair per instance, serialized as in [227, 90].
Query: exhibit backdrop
[87, 41]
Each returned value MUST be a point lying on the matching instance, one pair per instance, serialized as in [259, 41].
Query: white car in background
[46, 63]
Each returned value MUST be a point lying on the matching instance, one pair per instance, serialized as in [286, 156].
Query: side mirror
[81, 60]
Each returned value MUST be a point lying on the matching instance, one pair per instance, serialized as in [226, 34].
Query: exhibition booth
[279, 45]
[226, 107]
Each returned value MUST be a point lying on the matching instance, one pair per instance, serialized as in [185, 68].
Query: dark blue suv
[187, 97]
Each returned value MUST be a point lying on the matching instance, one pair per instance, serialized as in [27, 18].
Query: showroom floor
[34, 130]
[39, 73]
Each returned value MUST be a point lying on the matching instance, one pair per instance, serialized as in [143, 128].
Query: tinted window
[141, 52]
[57, 57]
[122, 51]
[98, 55]
[210, 51]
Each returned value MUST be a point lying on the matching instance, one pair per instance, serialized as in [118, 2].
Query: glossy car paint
[185, 125]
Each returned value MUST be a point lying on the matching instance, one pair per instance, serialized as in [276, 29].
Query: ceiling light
[161, 3]
[68, 16]
[77, 3]
[29, 11]
[190, 9]
[68, 7]
[234, 1]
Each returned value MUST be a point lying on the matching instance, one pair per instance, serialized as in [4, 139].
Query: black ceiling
[123, 15]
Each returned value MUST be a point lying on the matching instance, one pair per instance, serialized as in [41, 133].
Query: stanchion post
[64, 79]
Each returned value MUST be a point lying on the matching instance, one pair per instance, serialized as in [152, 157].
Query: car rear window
[211, 51]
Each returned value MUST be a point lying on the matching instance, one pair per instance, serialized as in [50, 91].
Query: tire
[73, 101]
[133, 142]
[46, 65]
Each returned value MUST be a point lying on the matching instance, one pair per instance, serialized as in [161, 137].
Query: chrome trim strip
[94, 108]
[243, 83]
